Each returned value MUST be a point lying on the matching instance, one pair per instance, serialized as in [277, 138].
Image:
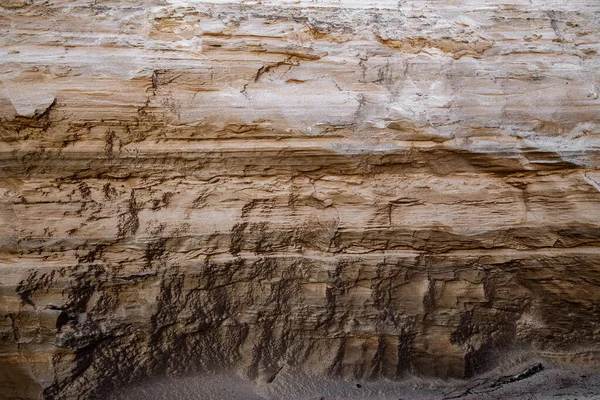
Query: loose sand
[549, 383]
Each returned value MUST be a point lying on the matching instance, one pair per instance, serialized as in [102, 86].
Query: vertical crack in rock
[129, 222]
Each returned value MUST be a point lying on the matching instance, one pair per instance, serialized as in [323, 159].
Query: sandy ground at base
[550, 383]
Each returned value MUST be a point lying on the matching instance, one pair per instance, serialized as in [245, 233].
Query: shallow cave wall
[361, 190]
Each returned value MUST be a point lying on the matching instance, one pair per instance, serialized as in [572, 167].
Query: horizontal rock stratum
[359, 189]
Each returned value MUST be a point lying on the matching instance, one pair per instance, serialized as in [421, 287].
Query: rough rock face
[359, 189]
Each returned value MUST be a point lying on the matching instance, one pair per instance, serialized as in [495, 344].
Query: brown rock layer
[360, 189]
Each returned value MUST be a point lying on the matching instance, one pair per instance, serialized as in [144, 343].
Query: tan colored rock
[359, 189]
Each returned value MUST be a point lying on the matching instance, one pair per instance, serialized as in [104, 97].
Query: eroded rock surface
[356, 189]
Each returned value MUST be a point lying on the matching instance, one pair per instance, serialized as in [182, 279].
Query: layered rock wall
[360, 189]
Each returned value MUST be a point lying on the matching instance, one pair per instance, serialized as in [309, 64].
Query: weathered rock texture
[361, 189]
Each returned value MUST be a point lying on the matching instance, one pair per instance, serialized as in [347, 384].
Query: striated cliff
[360, 189]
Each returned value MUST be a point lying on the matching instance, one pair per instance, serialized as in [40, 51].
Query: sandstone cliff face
[359, 189]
